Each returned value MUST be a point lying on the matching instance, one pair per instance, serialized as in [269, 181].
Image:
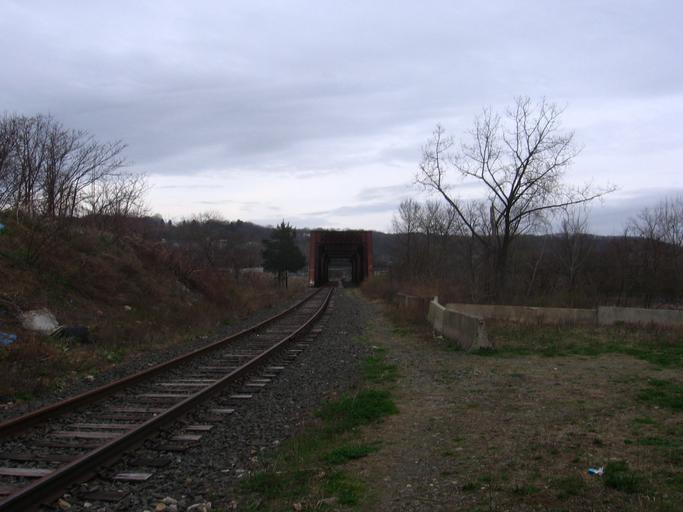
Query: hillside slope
[133, 293]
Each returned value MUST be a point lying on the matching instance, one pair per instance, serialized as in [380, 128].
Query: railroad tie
[26, 472]
[104, 426]
[198, 428]
[6, 490]
[132, 477]
[37, 457]
[78, 434]
[187, 437]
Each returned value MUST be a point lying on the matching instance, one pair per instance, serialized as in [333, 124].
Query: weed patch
[347, 490]
[350, 452]
[272, 484]
[619, 476]
[351, 411]
[663, 393]
[675, 482]
[656, 441]
[377, 371]
[525, 490]
[663, 348]
[644, 420]
[569, 486]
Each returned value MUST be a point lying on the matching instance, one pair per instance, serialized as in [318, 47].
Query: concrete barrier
[603, 315]
[435, 315]
[528, 314]
[610, 315]
[467, 330]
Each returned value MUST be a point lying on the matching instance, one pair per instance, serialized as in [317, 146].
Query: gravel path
[210, 470]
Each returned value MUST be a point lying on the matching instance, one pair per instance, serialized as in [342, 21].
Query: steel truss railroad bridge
[329, 248]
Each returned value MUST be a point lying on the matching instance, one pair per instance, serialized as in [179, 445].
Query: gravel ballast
[210, 470]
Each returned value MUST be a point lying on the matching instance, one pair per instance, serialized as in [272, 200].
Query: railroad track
[45, 452]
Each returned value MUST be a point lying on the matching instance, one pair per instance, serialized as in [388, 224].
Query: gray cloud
[373, 193]
[357, 209]
[316, 90]
[612, 215]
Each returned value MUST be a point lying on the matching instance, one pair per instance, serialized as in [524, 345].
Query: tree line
[524, 237]
[561, 264]
[52, 172]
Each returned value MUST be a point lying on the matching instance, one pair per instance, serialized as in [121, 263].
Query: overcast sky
[315, 112]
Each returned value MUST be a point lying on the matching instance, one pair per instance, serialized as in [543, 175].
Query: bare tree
[520, 162]
[8, 137]
[575, 244]
[660, 230]
[117, 195]
[47, 170]
[406, 224]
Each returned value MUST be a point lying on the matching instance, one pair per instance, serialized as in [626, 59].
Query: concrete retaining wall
[603, 315]
[528, 314]
[467, 330]
[609, 315]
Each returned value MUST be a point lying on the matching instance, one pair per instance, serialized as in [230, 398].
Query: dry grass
[384, 287]
[129, 292]
[518, 429]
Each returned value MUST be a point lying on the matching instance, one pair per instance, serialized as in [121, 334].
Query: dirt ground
[516, 433]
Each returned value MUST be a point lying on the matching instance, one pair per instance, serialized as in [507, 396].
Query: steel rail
[54, 484]
[24, 421]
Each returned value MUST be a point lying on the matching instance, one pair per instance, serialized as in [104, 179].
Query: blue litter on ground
[6, 338]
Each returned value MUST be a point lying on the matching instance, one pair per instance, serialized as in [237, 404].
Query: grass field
[518, 427]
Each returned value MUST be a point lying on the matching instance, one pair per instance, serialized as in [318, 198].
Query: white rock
[41, 320]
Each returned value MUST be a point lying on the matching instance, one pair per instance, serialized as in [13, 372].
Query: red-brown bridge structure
[326, 248]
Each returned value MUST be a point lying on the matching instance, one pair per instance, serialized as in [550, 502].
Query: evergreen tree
[281, 254]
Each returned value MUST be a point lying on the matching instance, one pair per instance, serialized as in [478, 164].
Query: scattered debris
[200, 507]
[41, 320]
[7, 338]
[596, 471]
[79, 333]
